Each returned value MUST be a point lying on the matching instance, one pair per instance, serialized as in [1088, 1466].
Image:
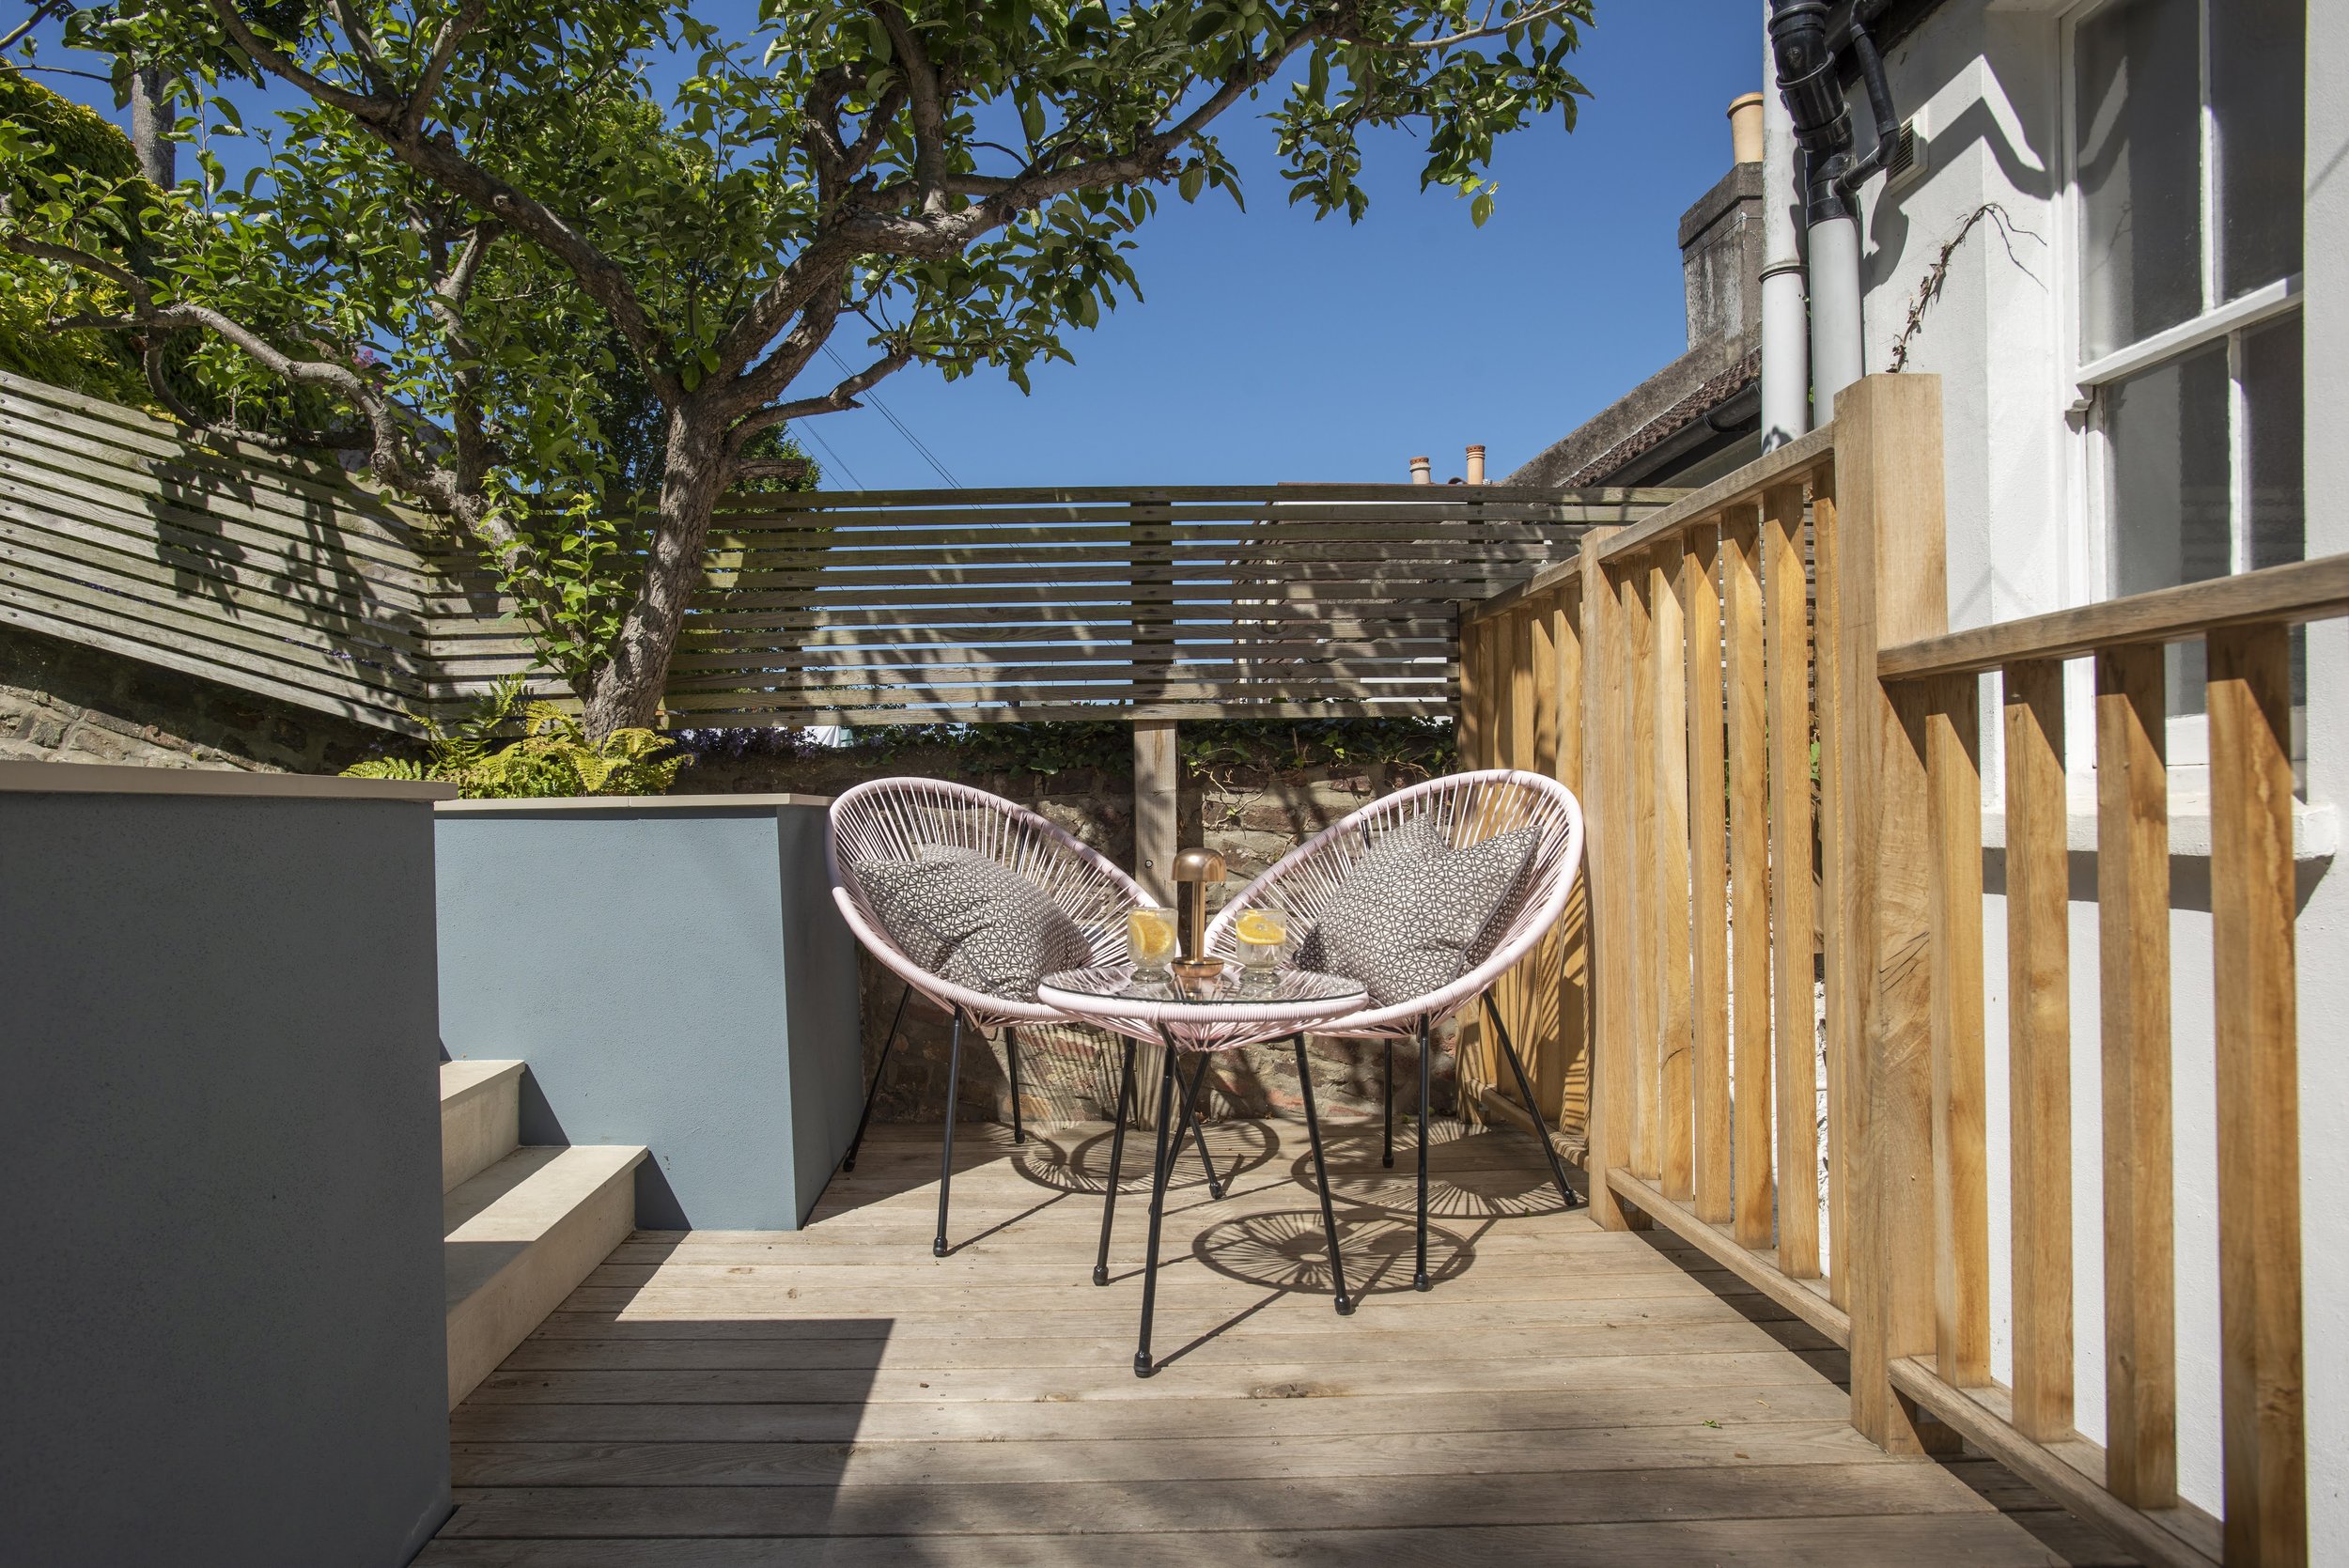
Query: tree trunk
[159, 159]
[624, 691]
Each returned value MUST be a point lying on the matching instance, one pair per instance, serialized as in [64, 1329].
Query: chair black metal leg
[1186, 1091]
[1525, 1091]
[1011, 1050]
[1419, 1279]
[946, 1161]
[1386, 1078]
[1321, 1176]
[1117, 1163]
[848, 1161]
[1158, 1209]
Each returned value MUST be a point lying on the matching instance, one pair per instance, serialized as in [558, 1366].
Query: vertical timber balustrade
[1666, 668]
[1668, 958]
[1607, 845]
[1842, 1012]
[2039, 1046]
[1961, 1195]
[2244, 621]
[1562, 1076]
[1786, 636]
[1684, 627]
[2259, 1095]
[1756, 1178]
[2133, 911]
[1708, 874]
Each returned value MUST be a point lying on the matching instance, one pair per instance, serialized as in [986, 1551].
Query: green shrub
[508, 748]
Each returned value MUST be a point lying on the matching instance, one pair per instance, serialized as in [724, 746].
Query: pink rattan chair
[896, 819]
[1467, 808]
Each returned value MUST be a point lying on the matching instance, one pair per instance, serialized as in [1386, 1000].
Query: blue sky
[1269, 346]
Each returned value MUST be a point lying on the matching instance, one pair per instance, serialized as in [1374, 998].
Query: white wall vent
[1907, 163]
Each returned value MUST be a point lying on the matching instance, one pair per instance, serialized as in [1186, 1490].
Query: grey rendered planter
[675, 974]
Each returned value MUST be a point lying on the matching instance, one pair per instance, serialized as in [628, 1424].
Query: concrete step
[481, 1107]
[520, 1238]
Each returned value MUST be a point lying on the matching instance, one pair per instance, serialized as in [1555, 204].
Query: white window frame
[2220, 320]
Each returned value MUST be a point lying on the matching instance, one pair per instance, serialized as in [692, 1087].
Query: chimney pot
[1476, 465]
[1423, 471]
[1745, 128]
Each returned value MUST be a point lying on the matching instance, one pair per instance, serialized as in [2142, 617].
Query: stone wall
[62, 702]
[1070, 1074]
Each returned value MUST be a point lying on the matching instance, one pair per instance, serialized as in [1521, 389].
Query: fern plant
[507, 747]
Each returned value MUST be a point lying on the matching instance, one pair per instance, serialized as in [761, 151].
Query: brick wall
[62, 702]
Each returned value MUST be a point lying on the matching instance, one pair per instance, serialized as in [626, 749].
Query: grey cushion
[1413, 914]
[974, 921]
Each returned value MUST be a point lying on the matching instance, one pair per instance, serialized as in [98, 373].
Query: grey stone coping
[631, 803]
[86, 778]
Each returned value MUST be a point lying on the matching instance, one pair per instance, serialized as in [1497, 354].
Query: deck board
[837, 1396]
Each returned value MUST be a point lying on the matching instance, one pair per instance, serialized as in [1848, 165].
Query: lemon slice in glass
[1262, 925]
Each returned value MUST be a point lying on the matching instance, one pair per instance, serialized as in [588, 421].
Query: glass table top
[1234, 984]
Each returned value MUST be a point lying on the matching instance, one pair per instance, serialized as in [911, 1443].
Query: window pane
[2258, 61]
[2167, 429]
[2278, 518]
[2271, 405]
[2137, 125]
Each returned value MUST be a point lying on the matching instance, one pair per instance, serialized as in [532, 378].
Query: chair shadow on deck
[1473, 1173]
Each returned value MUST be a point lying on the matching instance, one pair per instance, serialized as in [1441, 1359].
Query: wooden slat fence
[889, 607]
[1737, 733]
[1272, 601]
[262, 572]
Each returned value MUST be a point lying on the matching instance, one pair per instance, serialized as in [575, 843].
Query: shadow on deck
[839, 1396]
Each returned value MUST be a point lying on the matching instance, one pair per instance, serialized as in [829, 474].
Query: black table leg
[1117, 1163]
[1419, 1280]
[1187, 1089]
[1386, 1079]
[848, 1161]
[1158, 1206]
[946, 1161]
[1011, 1050]
[1321, 1176]
[1525, 1091]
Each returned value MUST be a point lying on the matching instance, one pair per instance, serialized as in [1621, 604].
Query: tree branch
[1484, 29]
[368, 110]
[927, 101]
[838, 400]
[452, 32]
[437, 158]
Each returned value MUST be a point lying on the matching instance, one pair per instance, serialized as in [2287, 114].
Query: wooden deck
[837, 1396]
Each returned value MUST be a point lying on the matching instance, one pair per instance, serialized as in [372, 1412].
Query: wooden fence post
[1155, 805]
[1890, 587]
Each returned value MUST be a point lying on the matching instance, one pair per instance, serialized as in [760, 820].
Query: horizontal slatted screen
[259, 571]
[279, 576]
[1272, 601]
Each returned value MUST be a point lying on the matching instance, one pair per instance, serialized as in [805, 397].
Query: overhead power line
[911, 440]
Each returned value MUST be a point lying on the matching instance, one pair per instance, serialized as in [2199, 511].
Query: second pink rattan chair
[1466, 808]
[906, 820]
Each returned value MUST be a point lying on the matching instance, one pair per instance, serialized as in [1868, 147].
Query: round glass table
[1221, 1013]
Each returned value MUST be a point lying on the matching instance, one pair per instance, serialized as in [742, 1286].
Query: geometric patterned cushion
[974, 921]
[1413, 914]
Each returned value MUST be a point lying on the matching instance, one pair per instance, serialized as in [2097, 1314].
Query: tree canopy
[509, 253]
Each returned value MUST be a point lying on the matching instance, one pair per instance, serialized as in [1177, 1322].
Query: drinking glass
[1261, 935]
[1150, 940]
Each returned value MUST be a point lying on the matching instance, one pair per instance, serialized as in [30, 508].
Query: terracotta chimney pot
[1745, 128]
[1423, 471]
[1476, 465]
